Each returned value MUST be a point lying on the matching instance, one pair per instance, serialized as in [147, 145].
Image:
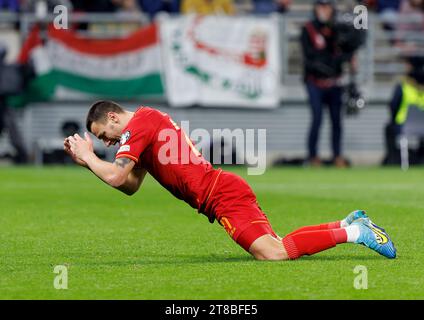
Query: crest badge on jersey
[125, 137]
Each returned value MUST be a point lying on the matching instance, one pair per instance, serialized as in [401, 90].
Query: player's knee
[268, 248]
[270, 255]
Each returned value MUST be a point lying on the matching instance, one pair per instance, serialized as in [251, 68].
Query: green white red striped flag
[68, 66]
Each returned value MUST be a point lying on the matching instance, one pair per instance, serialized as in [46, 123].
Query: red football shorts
[234, 205]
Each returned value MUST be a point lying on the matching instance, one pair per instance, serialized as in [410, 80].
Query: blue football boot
[375, 238]
[355, 215]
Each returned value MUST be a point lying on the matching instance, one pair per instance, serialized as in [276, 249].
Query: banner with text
[221, 61]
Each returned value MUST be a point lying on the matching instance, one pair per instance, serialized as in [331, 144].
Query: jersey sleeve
[135, 139]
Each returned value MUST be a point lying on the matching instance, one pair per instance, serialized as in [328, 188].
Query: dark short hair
[99, 110]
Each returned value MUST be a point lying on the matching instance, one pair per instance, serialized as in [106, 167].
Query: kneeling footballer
[220, 195]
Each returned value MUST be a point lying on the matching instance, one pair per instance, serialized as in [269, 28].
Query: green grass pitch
[153, 246]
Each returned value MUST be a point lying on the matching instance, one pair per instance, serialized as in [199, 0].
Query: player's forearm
[106, 171]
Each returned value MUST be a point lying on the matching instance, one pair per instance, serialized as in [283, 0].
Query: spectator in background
[410, 26]
[388, 11]
[243, 6]
[323, 62]
[119, 25]
[206, 7]
[48, 5]
[392, 5]
[9, 5]
[409, 92]
[93, 6]
[269, 6]
[124, 10]
[153, 7]
[126, 5]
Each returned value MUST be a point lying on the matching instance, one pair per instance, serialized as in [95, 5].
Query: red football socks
[324, 226]
[313, 239]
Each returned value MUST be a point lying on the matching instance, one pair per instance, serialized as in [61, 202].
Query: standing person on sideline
[323, 61]
[407, 93]
[150, 141]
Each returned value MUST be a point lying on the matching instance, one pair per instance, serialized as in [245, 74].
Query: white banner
[221, 61]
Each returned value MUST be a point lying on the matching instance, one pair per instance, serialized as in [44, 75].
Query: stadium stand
[380, 65]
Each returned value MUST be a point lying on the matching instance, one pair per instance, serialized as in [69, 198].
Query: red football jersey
[155, 142]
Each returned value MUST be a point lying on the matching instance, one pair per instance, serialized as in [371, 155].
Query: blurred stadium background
[151, 246]
[380, 68]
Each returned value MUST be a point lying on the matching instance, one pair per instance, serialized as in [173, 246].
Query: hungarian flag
[68, 66]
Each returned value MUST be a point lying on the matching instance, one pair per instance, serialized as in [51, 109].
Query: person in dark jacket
[323, 62]
[153, 7]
